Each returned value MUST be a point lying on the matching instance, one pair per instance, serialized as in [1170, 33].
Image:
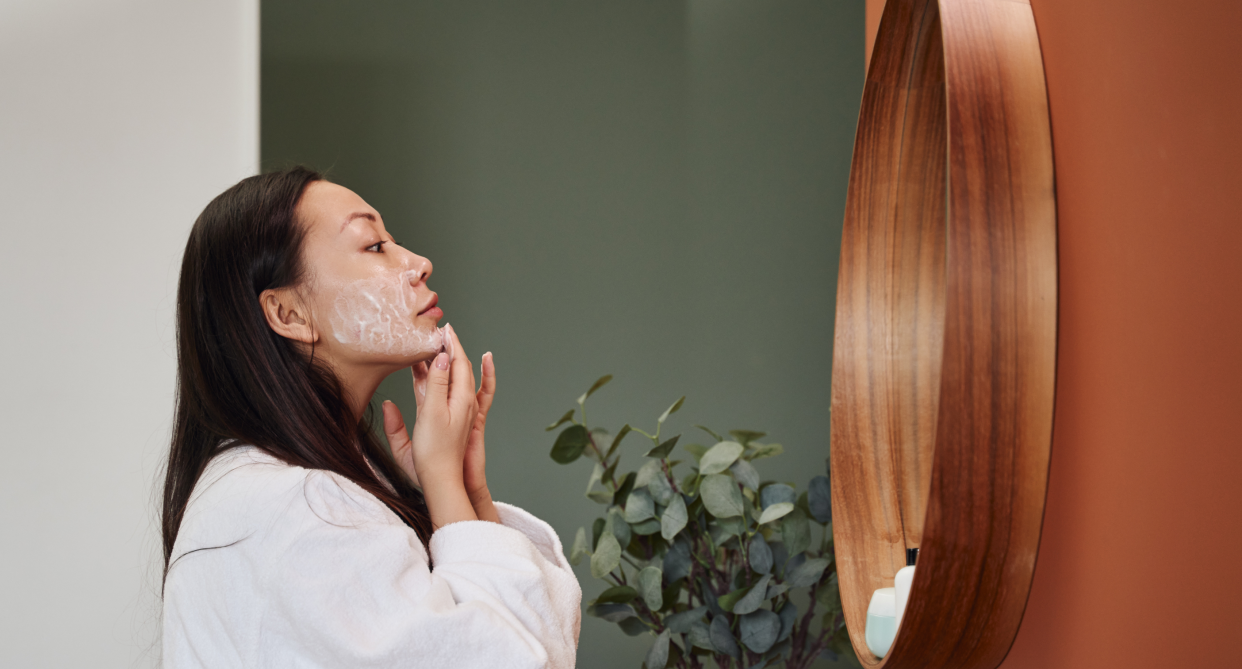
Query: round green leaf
[819, 499]
[580, 547]
[746, 474]
[618, 594]
[788, 615]
[674, 518]
[719, 457]
[648, 472]
[570, 444]
[680, 623]
[774, 493]
[759, 554]
[649, 581]
[617, 527]
[775, 512]
[759, 630]
[606, 557]
[722, 638]
[721, 496]
[613, 613]
[754, 597]
[796, 532]
[657, 657]
[639, 506]
[808, 573]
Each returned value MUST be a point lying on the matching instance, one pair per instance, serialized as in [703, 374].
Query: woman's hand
[474, 471]
[447, 411]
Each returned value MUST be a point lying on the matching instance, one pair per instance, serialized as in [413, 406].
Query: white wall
[118, 122]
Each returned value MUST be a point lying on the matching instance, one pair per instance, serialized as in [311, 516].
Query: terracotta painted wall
[1138, 565]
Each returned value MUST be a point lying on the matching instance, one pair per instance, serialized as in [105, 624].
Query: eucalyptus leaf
[721, 496]
[600, 496]
[597, 474]
[775, 493]
[664, 448]
[650, 470]
[700, 635]
[746, 474]
[747, 436]
[569, 415]
[606, 557]
[633, 626]
[646, 528]
[674, 518]
[613, 613]
[657, 656]
[775, 512]
[719, 457]
[697, 450]
[672, 410]
[723, 639]
[709, 597]
[796, 532]
[776, 590]
[680, 622]
[597, 528]
[727, 600]
[597, 385]
[623, 491]
[754, 598]
[761, 451]
[760, 555]
[661, 491]
[808, 573]
[580, 547]
[617, 594]
[649, 581]
[759, 630]
[819, 499]
[616, 441]
[639, 506]
[730, 527]
[788, 615]
[703, 428]
[677, 560]
[616, 525]
[570, 444]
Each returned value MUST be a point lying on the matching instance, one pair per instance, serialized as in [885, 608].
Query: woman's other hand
[447, 410]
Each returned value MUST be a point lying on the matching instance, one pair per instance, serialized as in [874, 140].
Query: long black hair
[239, 380]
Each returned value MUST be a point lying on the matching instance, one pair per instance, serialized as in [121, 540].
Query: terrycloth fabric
[313, 571]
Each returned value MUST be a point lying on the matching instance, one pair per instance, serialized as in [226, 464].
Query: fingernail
[442, 361]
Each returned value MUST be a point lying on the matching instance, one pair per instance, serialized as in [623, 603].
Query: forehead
[325, 206]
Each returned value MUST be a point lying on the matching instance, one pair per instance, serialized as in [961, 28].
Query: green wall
[648, 189]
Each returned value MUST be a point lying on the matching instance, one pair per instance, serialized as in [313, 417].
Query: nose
[420, 269]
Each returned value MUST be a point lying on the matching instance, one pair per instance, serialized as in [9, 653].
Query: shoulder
[246, 491]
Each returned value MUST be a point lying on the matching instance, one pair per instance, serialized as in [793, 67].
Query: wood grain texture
[944, 358]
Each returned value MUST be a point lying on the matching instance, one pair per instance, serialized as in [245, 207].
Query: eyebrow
[357, 214]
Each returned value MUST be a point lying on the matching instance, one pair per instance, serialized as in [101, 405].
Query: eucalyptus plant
[701, 553]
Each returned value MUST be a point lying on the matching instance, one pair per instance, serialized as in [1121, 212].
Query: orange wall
[1140, 563]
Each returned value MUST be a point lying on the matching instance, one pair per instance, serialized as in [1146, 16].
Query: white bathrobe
[280, 566]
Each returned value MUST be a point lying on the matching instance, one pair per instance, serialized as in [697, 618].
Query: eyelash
[381, 245]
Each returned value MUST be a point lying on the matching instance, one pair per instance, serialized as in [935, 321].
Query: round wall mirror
[945, 344]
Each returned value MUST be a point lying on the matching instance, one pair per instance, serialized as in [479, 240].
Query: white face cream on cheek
[377, 315]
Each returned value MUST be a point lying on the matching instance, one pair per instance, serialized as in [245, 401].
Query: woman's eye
[377, 246]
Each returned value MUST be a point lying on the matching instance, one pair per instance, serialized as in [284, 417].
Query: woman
[291, 537]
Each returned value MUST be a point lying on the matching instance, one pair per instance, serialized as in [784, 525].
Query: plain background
[649, 189]
[119, 121]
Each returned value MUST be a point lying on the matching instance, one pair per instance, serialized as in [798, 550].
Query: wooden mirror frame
[945, 345]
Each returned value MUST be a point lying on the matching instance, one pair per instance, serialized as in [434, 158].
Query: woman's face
[368, 297]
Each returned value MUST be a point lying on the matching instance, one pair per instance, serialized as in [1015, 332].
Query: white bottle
[881, 622]
[902, 582]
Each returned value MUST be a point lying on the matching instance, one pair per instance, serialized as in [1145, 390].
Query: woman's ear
[287, 315]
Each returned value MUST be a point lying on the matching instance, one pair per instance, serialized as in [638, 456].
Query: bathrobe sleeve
[351, 587]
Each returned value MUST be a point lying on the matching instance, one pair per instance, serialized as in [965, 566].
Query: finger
[394, 427]
[462, 382]
[487, 389]
[437, 382]
[420, 381]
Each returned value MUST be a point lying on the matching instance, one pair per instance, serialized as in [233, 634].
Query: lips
[430, 305]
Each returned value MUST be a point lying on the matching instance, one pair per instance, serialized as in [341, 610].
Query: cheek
[377, 315]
